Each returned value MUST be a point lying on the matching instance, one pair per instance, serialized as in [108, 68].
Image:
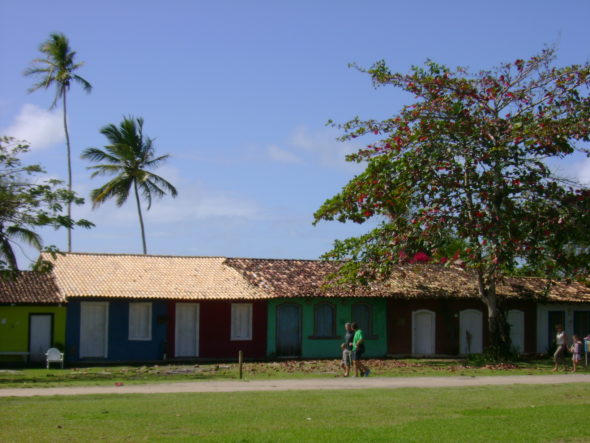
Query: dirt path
[305, 384]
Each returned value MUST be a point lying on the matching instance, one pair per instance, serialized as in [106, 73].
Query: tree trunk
[140, 217]
[69, 154]
[500, 344]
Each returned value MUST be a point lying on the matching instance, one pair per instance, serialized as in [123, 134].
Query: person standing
[358, 349]
[561, 342]
[347, 348]
[576, 349]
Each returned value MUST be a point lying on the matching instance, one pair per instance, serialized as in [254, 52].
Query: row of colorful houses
[114, 307]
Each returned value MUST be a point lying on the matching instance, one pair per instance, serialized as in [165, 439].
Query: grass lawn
[490, 413]
[257, 371]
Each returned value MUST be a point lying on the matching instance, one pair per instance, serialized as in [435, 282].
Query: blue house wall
[120, 348]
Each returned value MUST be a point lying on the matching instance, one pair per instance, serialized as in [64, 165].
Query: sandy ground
[305, 384]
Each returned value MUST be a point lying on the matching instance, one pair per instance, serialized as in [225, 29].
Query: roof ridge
[126, 254]
[281, 259]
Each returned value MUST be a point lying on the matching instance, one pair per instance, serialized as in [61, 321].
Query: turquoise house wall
[376, 345]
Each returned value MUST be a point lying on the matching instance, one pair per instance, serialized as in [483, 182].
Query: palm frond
[117, 188]
[98, 155]
[154, 163]
[82, 81]
[7, 253]
[106, 170]
[163, 183]
[25, 235]
[57, 68]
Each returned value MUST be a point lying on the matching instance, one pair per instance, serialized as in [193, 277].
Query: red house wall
[215, 330]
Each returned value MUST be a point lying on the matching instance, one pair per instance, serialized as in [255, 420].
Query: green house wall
[376, 345]
[14, 328]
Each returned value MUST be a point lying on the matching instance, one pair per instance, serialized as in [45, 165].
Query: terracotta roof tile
[30, 288]
[201, 278]
[149, 276]
[297, 278]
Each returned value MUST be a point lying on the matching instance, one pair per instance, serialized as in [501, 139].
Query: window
[140, 321]
[324, 320]
[582, 323]
[362, 314]
[241, 321]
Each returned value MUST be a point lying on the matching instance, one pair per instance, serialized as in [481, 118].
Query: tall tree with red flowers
[466, 162]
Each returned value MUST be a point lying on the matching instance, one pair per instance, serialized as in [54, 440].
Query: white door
[470, 332]
[186, 335]
[94, 318]
[39, 336]
[516, 322]
[423, 332]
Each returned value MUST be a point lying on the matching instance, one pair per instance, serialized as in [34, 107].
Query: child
[576, 349]
[345, 359]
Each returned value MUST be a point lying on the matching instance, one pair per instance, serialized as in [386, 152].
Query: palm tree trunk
[69, 154]
[140, 217]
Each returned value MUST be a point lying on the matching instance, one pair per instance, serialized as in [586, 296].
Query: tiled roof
[291, 278]
[296, 278]
[202, 278]
[30, 288]
[149, 277]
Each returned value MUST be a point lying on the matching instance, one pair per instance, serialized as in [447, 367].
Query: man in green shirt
[358, 348]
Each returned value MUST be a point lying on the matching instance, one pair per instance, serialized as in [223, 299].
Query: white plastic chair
[54, 355]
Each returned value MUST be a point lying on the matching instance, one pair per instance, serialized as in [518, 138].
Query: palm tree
[7, 235]
[57, 68]
[129, 156]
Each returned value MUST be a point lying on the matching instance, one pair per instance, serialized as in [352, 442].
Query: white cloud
[282, 156]
[194, 203]
[323, 144]
[39, 127]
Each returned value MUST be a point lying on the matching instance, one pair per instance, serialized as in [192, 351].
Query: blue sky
[238, 93]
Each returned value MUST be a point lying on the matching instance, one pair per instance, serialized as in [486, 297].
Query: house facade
[162, 308]
[32, 318]
[314, 328]
[450, 326]
[154, 308]
[305, 318]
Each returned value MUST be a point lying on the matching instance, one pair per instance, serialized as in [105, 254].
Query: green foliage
[128, 157]
[56, 68]
[467, 160]
[26, 204]
[493, 355]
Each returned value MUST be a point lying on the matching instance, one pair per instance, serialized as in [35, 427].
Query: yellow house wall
[14, 328]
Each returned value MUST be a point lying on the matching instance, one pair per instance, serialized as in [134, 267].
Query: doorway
[423, 332]
[289, 330]
[186, 334]
[470, 332]
[40, 336]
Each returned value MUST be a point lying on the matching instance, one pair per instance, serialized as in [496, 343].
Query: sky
[238, 93]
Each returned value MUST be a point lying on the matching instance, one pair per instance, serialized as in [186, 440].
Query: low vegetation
[78, 376]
